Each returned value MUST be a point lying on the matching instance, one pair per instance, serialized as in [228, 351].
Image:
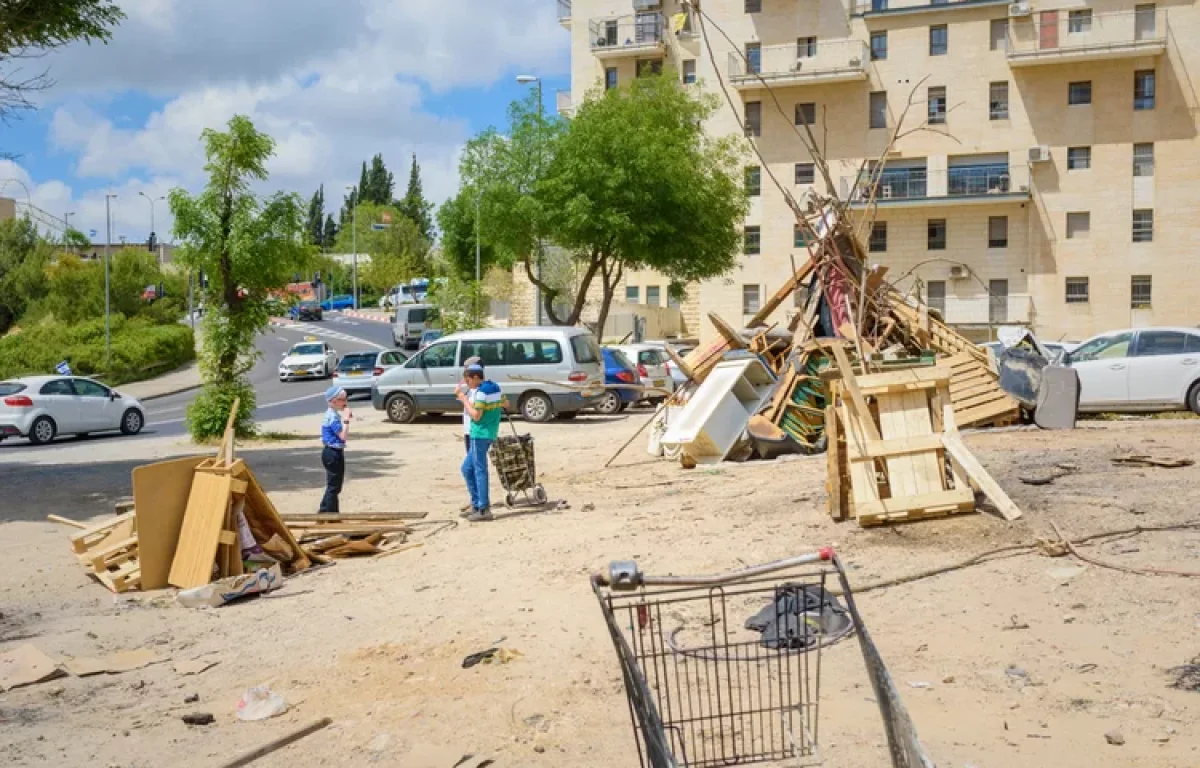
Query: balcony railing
[880, 7]
[1013, 308]
[628, 35]
[1052, 37]
[976, 183]
[564, 12]
[565, 107]
[815, 61]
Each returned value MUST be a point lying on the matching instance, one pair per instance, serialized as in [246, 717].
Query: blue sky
[334, 81]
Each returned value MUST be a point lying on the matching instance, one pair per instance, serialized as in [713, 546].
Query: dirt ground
[1020, 661]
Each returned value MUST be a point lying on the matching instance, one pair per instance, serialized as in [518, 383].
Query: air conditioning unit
[1020, 9]
[959, 272]
[1039, 154]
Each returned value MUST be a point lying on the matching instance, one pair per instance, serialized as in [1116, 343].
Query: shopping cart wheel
[508, 500]
[539, 494]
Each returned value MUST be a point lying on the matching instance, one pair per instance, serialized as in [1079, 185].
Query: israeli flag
[63, 368]
[92, 233]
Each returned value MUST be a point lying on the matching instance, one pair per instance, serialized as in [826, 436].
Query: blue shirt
[331, 428]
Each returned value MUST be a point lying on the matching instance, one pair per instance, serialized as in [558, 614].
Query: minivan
[539, 355]
[409, 321]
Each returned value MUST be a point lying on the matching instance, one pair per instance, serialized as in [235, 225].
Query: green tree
[316, 218]
[398, 252]
[456, 220]
[380, 183]
[75, 240]
[29, 29]
[247, 246]
[24, 256]
[349, 202]
[363, 189]
[331, 231]
[414, 205]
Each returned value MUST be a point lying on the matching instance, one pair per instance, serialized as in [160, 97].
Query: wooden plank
[728, 332]
[196, 551]
[781, 295]
[958, 449]
[264, 521]
[97, 559]
[973, 387]
[929, 466]
[239, 487]
[958, 499]
[982, 398]
[227, 538]
[901, 471]
[298, 517]
[160, 494]
[882, 381]
[89, 537]
[864, 486]
[67, 521]
[896, 447]
[834, 465]
[857, 400]
[985, 413]
[911, 386]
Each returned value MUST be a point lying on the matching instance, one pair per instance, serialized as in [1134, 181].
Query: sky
[332, 81]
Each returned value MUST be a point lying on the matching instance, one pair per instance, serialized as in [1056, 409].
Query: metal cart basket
[513, 458]
[726, 670]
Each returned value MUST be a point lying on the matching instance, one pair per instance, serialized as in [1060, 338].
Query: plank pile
[109, 550]
[351, 535]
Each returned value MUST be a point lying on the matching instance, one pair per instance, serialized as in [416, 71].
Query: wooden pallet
[976, 395]
[109, 551]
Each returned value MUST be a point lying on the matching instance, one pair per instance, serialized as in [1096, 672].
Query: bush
[140, 349]
[208, 413]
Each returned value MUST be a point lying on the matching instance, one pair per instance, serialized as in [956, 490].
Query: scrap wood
[26, 665]
[195, 666]
[67, 521]
[399, 548]
[277, 744]
[1150, 461]
[970, 465]
[857, 400]
[296, 517]
[352, 549]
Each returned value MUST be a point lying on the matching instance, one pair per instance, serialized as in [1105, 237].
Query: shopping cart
[514, 462]
[726, 670]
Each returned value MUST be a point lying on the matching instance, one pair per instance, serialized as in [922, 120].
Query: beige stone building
[1052, 182]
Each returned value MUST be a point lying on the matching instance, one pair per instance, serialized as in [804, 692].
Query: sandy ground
[1024, 661]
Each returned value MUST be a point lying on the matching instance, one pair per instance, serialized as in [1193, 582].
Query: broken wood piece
[400, 548]
[352, 549]
[277, 744]
[297, 517]
[67, 521]
[1150, 461]
[731, 336]
[971, 466]
[679, 363]
[857, 401]
[321, 545]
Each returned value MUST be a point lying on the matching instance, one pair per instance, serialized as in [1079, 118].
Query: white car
[654, 366]
[1144, 369]
[42, 407]
[308, 360]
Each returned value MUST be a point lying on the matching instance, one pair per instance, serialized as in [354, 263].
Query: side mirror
[114, 395]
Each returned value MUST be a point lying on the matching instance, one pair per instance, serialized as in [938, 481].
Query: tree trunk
[610, 279]
[227, 360]
[549, 294]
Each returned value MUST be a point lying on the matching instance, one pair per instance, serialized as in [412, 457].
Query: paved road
[276, 399]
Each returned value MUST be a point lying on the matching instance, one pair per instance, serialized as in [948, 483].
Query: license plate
[355, 373]
[302, 372]
[660, 382]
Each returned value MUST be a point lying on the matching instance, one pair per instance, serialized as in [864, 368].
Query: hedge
[140, 349]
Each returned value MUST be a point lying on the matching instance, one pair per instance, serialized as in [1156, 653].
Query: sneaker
[466, 510]
[481, 516]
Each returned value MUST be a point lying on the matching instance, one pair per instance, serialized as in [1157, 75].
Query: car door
[1161, 370]
[97, 410]
[438, 365]
[59, 400]
[1103, 366]
[494, 359]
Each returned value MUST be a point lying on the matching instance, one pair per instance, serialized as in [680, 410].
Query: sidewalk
[378, 315]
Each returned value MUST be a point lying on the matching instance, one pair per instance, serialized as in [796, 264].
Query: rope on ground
[1147, 571]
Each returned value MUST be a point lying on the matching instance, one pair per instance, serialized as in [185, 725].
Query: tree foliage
[316, 218]
[24, 256]
[414, 205]
[247, 246]
[379, 183]
[456, 220]
[331, 232]
[398, 252]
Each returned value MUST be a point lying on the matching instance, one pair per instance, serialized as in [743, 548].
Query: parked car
[618, 369]
[307, 360]
[409, 323]
[429, 336]
[306, 310]
[335, 303]
[426, 382]
[1058, 349]
[655, 368]
[1146, 369]
[357, 372]
[42, 407]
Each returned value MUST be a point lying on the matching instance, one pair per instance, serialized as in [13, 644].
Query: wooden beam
[956, 500]
[961, 454]
[898, 446]
[857, 401]
[785, 290]
[731, 336]
[680, 363]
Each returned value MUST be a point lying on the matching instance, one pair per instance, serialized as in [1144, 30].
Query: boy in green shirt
[484, 405]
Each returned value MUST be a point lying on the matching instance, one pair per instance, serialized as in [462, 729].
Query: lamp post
[354, 246]
[526, 80]
[152, 230]
[108, 198]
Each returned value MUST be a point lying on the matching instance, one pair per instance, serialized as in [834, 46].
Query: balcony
[876, 8]
[1010, 309]
[565, 107]
[823, 61]
[640, 35]
[564, 13]
[965, 185]
[1061, 37]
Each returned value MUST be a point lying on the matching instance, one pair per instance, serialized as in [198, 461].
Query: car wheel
[537, 407]
[43, 430]
[132, 422]
[1193, 399]
[623, 407]
[401, 409]
[610, 404]
[566, 415]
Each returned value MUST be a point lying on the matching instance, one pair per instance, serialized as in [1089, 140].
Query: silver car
[654, 366]
[357, 372]
[42, 407]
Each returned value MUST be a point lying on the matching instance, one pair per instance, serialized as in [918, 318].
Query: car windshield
[11, 387]
[362, 360]
[308, 349]
[308, 304]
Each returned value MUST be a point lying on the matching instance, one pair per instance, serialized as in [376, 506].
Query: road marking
[315, 330]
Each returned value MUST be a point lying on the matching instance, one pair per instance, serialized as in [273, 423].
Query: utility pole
[108, 198]
[354, 246]
[153, 231]
[526, 79]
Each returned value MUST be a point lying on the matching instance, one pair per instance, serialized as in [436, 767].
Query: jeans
[475, 472]
[335, 472]
[467, 442]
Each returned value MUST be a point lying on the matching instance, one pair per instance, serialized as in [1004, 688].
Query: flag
[92, 233]
[63, 368]
[678, 22]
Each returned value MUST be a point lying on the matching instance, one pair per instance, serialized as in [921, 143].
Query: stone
[1115, 738]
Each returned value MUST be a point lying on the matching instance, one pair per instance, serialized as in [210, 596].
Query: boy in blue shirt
[334, 431]
[484, 407]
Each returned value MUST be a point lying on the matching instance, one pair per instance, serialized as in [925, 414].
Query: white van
[426, 382]
[409, 321]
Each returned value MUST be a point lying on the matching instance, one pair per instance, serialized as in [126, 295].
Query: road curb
[169, 392]
[365, 315]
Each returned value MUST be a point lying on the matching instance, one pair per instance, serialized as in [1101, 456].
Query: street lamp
[152, 230]
[108, 198]
[354, 245]
[526, 80]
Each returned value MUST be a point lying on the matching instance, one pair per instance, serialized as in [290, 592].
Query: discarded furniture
[715, 417]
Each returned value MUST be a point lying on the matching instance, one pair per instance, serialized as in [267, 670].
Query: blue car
[618, 370]
[338, 302]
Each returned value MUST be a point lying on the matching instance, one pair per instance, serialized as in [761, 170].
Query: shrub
[208, 413]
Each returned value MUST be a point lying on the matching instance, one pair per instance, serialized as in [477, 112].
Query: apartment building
[1046, 174]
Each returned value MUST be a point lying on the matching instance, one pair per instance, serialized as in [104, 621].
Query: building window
[1079, 93]
[752, 238]
[753, 58]
[1143, 226]
[936, 234]
[936, 293]
[806, 173]
[939, 40]
[1078, 225]
[1144, 21]
[1079, 158]
[937, 105]
[654, 295]
[750, 300]
[998, 35]
[689, 71]
[753, 6]
[806, 113]
[806, 47]
[799, 236]
[610, 78]
[1143, 89]
[878, 240]
[1139, 292]
[1079, 21]
[646, 67]
[997, 301]
[998, 100]
[878, 46]
[997, 231]
[879, 109]
[753, 180]
[1077, 290]
[754, 118]
[632, 294]
[1143, 159]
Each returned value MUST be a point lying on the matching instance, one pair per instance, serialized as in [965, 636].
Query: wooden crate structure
[109, 551]
[887, 460]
